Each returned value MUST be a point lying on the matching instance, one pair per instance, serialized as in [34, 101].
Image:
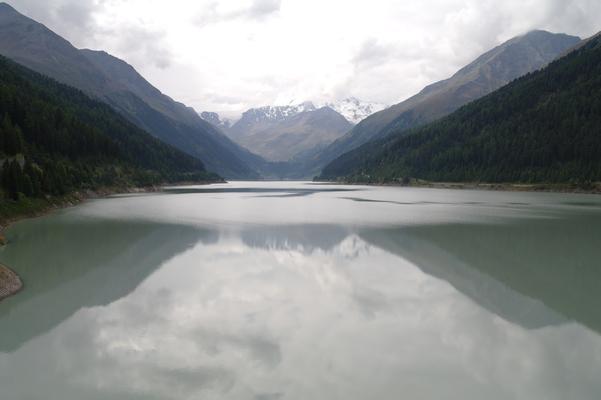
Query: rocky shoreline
[10, 283]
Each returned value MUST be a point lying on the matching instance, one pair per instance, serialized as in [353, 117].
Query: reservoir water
[294, 290]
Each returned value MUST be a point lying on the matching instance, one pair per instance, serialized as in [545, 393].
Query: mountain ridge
[34, 45]
[489, 71]
[282, 133]
[54, 139]
[542, 127]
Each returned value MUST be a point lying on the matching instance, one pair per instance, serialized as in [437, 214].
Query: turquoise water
[292, 290]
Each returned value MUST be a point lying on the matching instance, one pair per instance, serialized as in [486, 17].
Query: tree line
[55, 139]
[542, 128]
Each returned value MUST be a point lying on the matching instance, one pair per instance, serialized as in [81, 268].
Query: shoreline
[501, 187]
[10, 282]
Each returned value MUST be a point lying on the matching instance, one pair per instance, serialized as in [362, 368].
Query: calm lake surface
[291, 290]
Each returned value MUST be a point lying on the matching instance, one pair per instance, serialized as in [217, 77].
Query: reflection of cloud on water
[314, 312]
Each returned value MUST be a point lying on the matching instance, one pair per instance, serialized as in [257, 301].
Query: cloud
[220, 12]
[101, 25]
[228, 56]
[372, 52]
[76, 13]
[262, 8]
[139, 45]
[72, 19]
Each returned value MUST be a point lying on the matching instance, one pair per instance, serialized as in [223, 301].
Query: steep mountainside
[487, 73]
[283, 133]
[159, 114]
[544, 127]
[117, 83]
[55, 139]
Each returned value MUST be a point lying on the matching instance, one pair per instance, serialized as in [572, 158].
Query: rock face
[10, 283]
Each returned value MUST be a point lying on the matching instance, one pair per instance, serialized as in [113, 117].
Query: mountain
[214, 119]
[490, 71]
[543, 127]
[54, 139]
[355, 110]
[119, 85]
[283, 133]
[270, 114]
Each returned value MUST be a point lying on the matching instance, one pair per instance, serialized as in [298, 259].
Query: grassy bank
[27, 207]
[12, 210]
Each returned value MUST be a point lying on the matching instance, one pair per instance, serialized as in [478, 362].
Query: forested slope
[487, 73]
[543, 127]
[118, 84]
[54, 139]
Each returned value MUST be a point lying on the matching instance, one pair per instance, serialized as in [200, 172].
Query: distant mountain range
[490, 71]
[541, 128]
[118, 84]
[285, 133]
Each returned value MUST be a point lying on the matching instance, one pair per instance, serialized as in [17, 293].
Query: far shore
[594, 188]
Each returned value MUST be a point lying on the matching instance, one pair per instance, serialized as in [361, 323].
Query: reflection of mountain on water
[81, 263]
[533, 272]
[419, 246]
[307, 238]
[530, 272]
[480, 287]
[553, 263]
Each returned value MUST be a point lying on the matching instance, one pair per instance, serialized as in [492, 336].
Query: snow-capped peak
[355, 110]
[352, 109]
[278, 113]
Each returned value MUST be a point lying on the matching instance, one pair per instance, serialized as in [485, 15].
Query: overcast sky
[230, 55]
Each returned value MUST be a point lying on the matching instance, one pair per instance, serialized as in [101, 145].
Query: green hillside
[487, 73]
[55, 140]
[542, 128]
[119, 85]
